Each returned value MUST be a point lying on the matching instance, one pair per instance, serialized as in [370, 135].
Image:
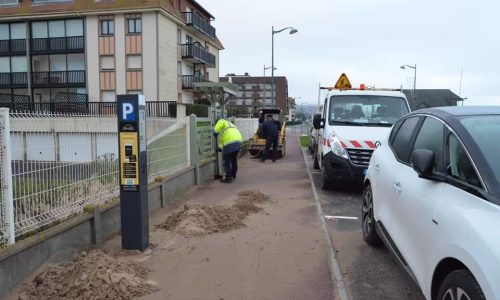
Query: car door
[321, 134]
[417, 198]
[386, 164]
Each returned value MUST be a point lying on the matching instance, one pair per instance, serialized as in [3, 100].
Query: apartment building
[50, 49]
[256, 92]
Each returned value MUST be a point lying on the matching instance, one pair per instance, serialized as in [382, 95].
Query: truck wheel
[326, 183]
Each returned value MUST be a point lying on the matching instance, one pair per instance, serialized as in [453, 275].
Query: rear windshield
[485, 131]
[366, 110]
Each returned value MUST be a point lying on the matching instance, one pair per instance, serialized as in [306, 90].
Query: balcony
[72, 44]
[196, 54]
[188, 80]
[13, 80]
[12, 47]
[59, 79]
[195, 20]
[9, 2]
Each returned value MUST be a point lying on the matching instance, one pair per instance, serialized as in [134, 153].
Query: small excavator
[258, 142]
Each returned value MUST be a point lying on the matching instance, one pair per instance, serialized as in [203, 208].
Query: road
[368, 272]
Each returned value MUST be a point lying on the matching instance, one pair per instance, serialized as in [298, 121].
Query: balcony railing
[22, 104]
[12, 47]
[72, 44]
[188, 80]
[9, 2]
[195, 20]
[198, 54]
[58, 78]
[15, 79]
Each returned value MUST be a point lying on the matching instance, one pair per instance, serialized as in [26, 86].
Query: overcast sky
[368, 40]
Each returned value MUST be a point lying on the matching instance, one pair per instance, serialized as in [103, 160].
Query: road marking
[316, 172]
[337, 279]
[340, 217]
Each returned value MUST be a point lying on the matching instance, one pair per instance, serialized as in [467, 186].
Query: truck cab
[352, 124]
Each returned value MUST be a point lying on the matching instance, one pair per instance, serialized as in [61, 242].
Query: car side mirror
[318, 122]
[423, 162]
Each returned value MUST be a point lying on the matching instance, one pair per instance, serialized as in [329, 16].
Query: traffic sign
[343, 82]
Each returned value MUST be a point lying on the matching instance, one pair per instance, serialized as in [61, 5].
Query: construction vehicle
[258, 142]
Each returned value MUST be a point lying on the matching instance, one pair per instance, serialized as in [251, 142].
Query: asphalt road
[368, 272]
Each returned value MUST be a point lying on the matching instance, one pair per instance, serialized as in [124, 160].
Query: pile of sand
[199, 220]
[95, 275]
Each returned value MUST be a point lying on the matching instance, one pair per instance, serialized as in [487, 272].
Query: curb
[336, 275]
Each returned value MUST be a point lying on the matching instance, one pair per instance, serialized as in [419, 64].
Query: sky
[368, 40]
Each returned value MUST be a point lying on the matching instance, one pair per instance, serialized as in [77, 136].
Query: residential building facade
[256, 92]
[52, 48]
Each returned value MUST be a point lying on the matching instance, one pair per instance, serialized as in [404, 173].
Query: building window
[189, 39]
[134, 26]
[134, 92]
[179, 37]
[107, 27]
[108, 96]
[134, 62]
[107, 63]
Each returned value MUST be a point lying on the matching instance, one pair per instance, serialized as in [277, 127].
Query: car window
[482, 129]
[402, 143]
[431, 137]
[370, 110]
[459, 165]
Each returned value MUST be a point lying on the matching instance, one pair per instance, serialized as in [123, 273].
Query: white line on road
[337, 279]
[316, 172]
[340, 217]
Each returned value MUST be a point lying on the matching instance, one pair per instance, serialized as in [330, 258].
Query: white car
[432, 196]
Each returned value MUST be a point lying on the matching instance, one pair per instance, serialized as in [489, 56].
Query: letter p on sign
[128, 109]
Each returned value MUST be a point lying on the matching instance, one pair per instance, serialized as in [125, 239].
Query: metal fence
[205, 139]
[59, 164]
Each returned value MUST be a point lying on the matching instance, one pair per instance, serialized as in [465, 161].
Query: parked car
[432, 196]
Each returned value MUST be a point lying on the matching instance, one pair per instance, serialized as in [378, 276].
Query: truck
[352, 124]
[258, 143]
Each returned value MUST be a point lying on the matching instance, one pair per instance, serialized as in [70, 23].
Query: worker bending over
[230, 140]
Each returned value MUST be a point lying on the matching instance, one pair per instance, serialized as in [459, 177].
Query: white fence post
[7, 188]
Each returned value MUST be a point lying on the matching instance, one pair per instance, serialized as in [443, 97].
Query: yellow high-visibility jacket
[227, 133]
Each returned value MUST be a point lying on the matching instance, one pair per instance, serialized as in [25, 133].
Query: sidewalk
[280, 254]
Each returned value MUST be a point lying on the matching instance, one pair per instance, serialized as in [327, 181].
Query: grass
[304, 140]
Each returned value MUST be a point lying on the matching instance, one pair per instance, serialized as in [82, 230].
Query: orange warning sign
[343, 82]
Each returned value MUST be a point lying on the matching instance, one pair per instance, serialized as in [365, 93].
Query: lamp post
[267, 68]
[292, 31]
[414, 82]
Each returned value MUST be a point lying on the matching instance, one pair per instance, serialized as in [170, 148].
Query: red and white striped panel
[356, 144]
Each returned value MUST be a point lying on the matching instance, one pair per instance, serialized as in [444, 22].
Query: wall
[92, 55]
[150, 55]
[120, 65]
[168, 55]
[247, 127]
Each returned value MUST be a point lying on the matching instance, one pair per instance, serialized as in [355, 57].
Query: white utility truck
[352, 124]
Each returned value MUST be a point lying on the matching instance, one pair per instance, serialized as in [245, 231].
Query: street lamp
[414, 82]
[267, 68]
[292, 31]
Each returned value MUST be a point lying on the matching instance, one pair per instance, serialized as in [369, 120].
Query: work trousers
[271, 141]
[230, 164]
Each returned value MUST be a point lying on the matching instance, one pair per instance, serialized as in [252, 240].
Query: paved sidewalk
[280, 254]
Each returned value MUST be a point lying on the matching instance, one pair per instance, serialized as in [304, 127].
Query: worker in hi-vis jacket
[230, 140]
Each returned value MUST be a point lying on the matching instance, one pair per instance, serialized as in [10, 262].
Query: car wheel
[315, 162]
[367, 220]
[460, 285]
